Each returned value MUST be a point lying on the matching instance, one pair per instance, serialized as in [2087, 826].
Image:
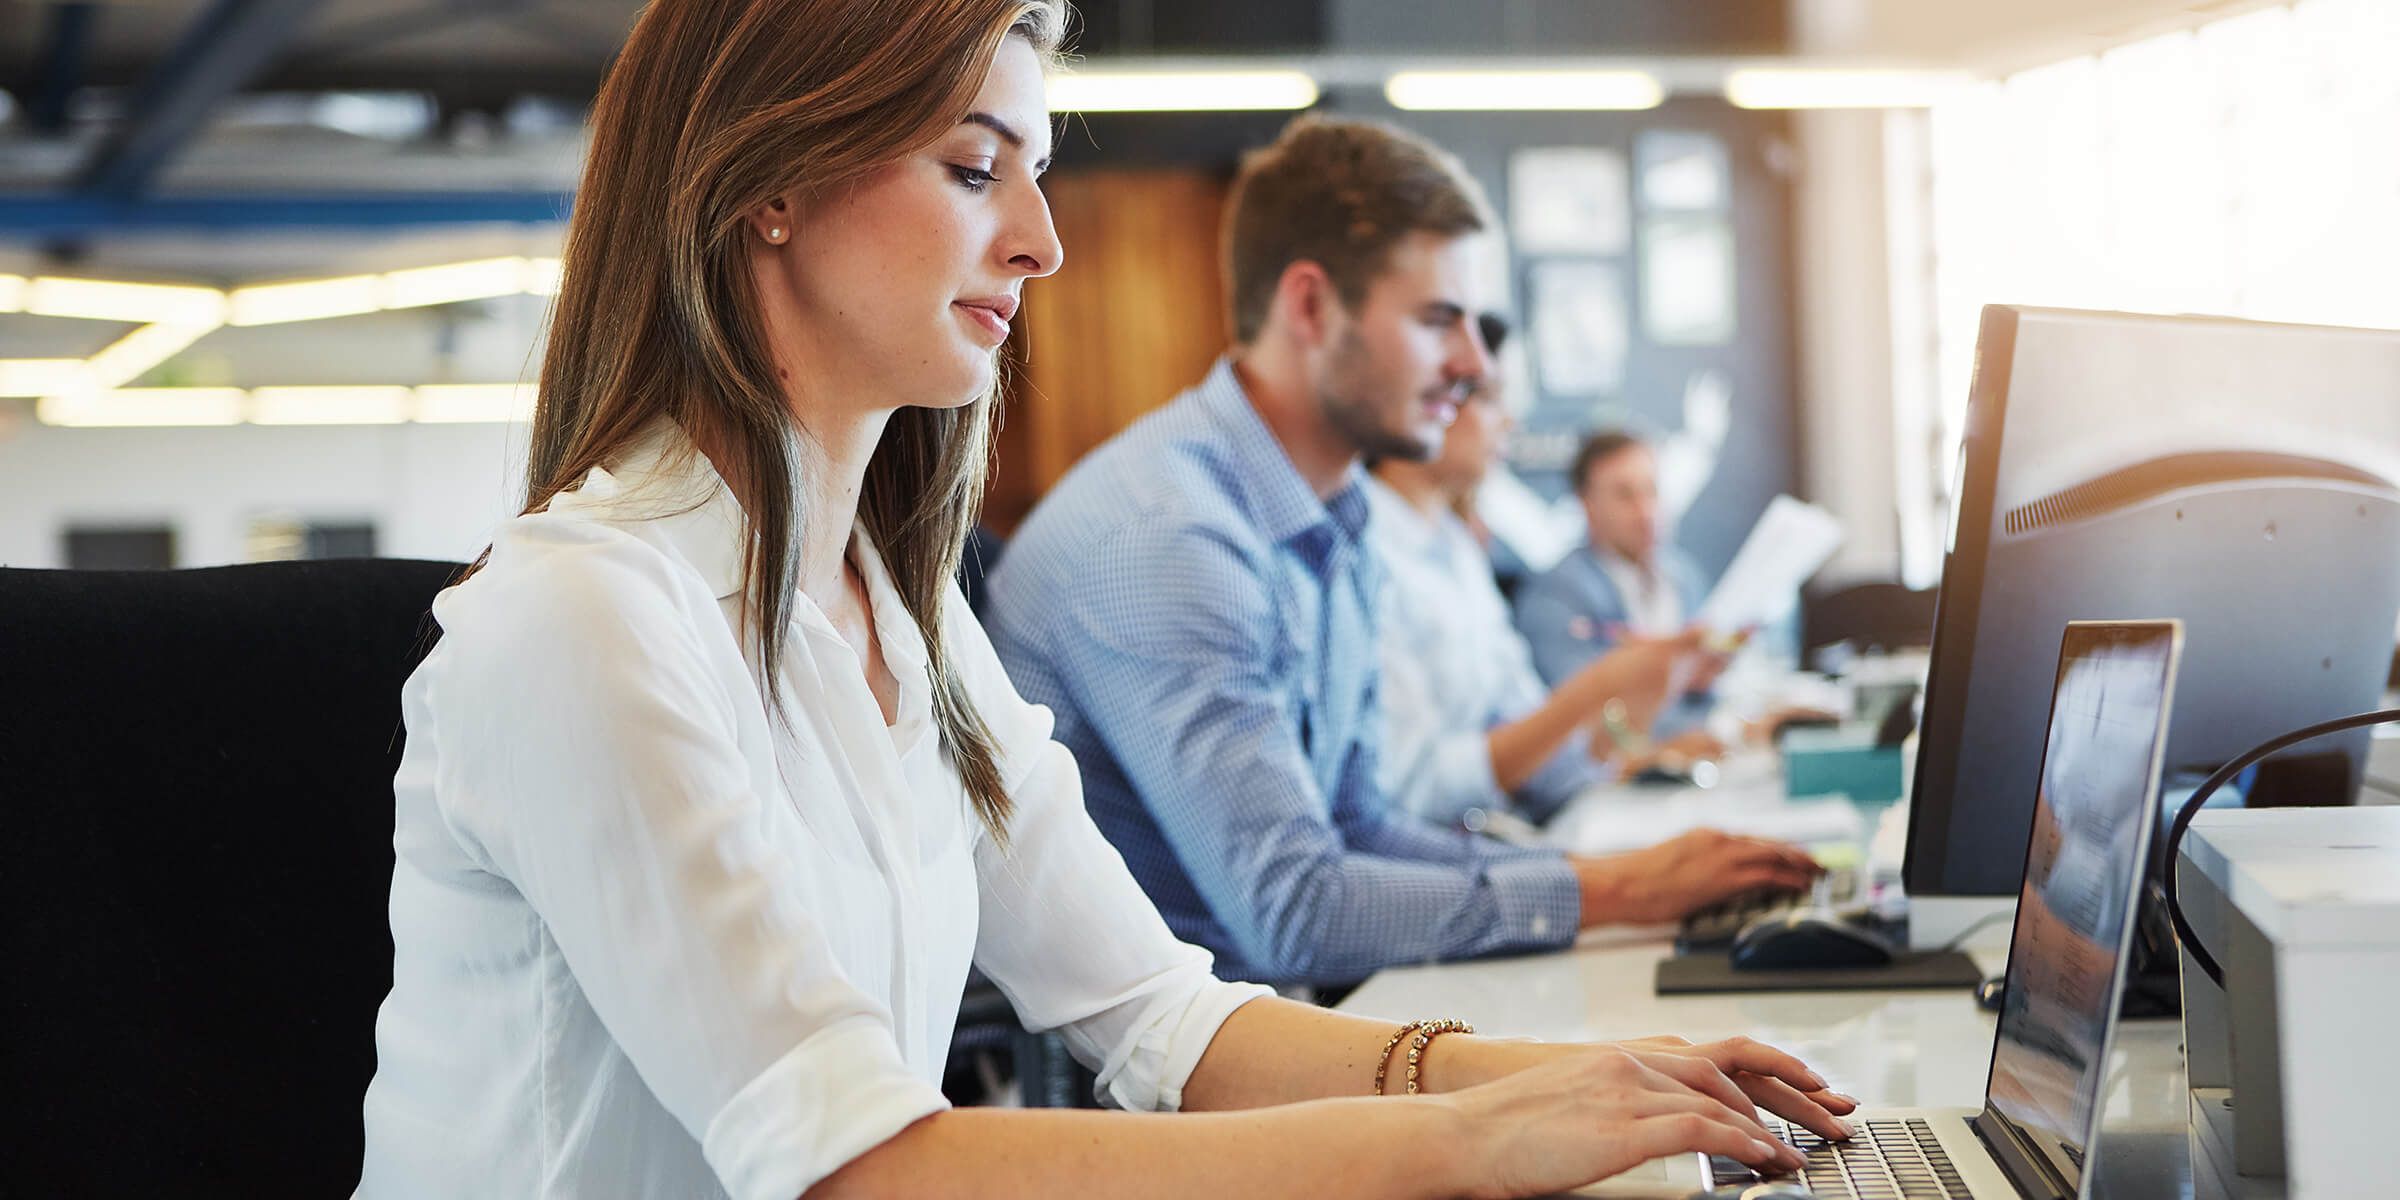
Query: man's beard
[1346, 397]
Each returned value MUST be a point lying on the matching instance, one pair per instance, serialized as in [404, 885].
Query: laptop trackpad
[1676, 1176]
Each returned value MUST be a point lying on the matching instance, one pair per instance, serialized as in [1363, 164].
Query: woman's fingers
[1791, 1104]
[1680, 1133]
[1659, 1103]
[1700, 1080]
[1758, 1058]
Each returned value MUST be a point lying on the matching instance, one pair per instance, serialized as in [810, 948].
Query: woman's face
[899, 290]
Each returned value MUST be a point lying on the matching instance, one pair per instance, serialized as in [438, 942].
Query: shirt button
[1541, 926]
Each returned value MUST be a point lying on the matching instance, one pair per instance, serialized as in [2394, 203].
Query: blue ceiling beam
[66, 47]
[225, 47]
[53, 215]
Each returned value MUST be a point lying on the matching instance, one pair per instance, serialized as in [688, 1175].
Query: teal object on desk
[1842, 760]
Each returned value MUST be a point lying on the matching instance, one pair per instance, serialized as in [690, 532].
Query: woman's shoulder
[566, 579]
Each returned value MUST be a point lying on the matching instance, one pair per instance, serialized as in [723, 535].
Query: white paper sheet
[1616, 823]
[1791, 541]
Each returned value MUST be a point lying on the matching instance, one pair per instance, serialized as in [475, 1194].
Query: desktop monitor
[2236, 475]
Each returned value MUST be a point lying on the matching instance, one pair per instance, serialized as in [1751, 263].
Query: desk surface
[1928, 1048]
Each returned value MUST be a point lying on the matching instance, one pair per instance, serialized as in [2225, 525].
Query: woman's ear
[772, 222]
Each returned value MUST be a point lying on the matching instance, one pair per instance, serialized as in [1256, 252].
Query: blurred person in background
[1196, 602]
[1625, 581]
[713, 790]
[1469, 726]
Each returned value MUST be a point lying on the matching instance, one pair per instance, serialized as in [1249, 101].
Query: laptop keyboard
[1888, 1160]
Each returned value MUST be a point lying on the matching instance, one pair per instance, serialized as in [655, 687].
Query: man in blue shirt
[1195, 602]
[1625, 580]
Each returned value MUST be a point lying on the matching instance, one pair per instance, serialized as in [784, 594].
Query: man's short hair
[1597, 449]
[1341, 194]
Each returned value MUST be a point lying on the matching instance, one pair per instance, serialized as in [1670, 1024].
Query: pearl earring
[775, 234]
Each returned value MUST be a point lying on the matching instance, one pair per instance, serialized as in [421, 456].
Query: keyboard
[1712, 929]
[1888, 1160]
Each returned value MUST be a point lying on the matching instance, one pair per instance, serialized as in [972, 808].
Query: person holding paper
[1625, 581]
[1195, 602]
[1469, 727]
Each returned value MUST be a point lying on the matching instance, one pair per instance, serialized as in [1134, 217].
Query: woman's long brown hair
[713, 109]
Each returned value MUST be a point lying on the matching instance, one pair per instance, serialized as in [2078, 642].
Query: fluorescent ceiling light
[144, 406]
[128, 357]
[542, 276]
[12, 293]
[304, 300]
[460, 403]
[329, 405]
[1136, 90]
[1793, 87]
[1529, 89]
[109, 300]
[39, 376]
[452, 283]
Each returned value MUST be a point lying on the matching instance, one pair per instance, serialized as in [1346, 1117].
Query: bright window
[2248, 168]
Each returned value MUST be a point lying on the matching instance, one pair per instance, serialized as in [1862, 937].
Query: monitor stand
[1934, 922]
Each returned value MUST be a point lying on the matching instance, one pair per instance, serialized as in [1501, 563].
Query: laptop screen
[2092, 820]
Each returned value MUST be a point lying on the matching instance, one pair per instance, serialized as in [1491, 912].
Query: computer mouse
[1807, 938]
[1992, 993]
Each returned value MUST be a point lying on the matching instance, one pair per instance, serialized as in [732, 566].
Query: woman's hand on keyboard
[1592, 1111]
[1772, 1079]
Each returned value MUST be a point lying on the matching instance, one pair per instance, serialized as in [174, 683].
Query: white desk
[1928, 1047]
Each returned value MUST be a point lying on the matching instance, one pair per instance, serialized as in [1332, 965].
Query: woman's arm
[1347, 1147]
[1256, 1059]
[1557, 1124]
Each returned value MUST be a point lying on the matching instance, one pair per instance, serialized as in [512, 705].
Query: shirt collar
[662, 481]
[1614, 562]
[1280, 502]
[665, 482]
[1399, 524]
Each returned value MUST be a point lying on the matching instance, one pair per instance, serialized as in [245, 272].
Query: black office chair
[196, 775]
[1866, 616]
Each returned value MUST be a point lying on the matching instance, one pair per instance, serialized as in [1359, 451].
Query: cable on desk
[2191, 808]
[1972, 930]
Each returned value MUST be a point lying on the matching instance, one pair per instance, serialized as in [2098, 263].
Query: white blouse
[650, 942]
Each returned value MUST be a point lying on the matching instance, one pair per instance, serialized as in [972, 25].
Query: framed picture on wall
[118, 547]
[1580, 326]
[1687, 280]
[1569, 200]
[1679, 171]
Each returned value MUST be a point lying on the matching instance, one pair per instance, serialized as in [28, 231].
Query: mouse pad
[1713, 972]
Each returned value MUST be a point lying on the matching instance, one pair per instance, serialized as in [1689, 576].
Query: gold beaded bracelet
[1425, 1035]
[1426, 1031]
[1383, 1061]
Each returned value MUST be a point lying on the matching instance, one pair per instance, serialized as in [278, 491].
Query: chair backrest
[196, 776]
[1869, 616]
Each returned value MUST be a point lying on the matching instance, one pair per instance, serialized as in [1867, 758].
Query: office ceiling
[475, 104]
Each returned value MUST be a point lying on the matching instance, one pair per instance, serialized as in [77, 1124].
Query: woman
[713, 789]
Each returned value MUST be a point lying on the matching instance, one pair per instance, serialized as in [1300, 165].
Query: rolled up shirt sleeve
[623, 810]
[1065, 931]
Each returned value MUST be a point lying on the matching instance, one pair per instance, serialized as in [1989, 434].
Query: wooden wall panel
[1135, 315]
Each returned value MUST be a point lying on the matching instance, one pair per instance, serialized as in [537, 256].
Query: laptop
[2092, 817]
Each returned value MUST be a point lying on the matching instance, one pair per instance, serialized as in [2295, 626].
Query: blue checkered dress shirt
[1201, 624]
